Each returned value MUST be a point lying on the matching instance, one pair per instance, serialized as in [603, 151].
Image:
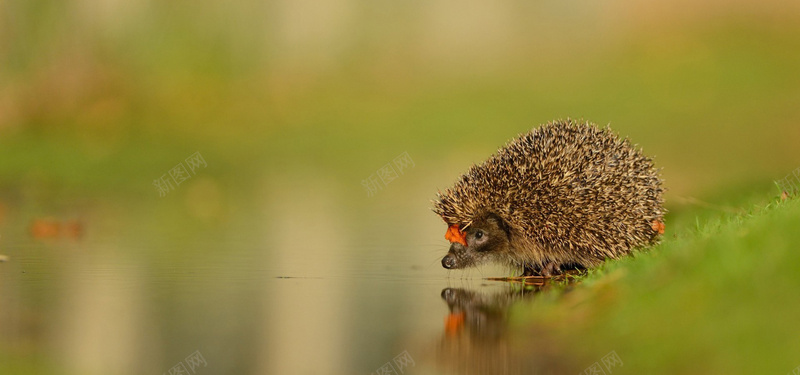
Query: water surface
[288, 280]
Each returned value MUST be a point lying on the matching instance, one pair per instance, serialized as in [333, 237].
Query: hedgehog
[565, 195]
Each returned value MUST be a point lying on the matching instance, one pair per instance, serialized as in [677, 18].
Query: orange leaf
[454, 235]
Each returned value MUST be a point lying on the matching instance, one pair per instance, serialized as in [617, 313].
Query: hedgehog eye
[478, 234]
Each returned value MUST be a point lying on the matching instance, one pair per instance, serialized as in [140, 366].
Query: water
[290, 281]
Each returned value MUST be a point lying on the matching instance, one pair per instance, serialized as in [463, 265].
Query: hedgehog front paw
[550, 269]
[529, 270]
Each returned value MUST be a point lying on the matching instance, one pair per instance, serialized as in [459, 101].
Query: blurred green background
[109, 94]
[292, 104]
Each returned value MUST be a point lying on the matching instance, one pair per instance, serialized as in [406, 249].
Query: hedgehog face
[487, 239]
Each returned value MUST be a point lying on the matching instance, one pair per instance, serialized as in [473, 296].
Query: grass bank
[717, 296]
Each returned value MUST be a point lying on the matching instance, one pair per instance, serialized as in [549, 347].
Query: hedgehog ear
[492, 217]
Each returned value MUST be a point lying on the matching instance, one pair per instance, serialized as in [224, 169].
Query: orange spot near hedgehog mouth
[454, 235]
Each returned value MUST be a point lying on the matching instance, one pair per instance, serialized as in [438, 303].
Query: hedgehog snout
[455, 256]
[449, 261]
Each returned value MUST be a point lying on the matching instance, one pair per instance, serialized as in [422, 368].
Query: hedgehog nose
[449, 261]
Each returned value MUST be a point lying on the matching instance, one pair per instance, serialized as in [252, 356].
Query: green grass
[719, 296]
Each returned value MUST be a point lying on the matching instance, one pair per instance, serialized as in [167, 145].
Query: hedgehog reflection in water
[565, 195]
